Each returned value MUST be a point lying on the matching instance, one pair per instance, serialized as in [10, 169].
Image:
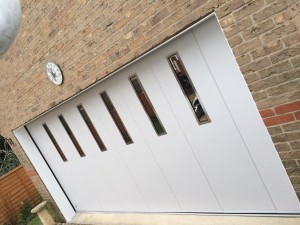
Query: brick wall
[91, 39]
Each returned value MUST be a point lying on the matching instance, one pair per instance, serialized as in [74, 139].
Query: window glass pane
[188, 88]
[147, 105]
[114, 114]
[71, 135]
[60, 152]
[91, 127]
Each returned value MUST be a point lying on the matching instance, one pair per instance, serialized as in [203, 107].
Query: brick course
[91, 39]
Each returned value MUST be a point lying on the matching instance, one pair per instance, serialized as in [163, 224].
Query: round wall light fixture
[10, 17]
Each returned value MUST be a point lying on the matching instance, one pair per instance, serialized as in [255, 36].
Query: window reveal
[91, 127]
[188, 88]
[114, 114]
[147, 105]
[60, 152]
[71, 135]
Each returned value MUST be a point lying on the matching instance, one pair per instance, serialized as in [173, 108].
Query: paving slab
[182, 219]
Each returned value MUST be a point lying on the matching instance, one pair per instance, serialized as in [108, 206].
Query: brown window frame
[116, 118]
[71, 135]
[56, 145]
[91, 127]
[159, 131]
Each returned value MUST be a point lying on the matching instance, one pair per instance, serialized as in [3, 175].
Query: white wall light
[10, 17]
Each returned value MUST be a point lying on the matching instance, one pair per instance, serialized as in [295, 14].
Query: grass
[35, 221]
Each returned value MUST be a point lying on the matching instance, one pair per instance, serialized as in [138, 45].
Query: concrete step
[181, 219]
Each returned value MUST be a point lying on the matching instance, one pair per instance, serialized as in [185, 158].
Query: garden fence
[16, 188]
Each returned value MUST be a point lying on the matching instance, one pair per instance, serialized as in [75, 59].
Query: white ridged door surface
[191, 167]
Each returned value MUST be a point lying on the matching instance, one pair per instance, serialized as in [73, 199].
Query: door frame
[45, 172]
[276, 186]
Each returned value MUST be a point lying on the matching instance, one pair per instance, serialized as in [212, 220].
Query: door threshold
[182, 219]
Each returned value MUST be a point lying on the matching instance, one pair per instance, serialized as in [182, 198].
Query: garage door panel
[129, 94]
[114, 168]
[228, 183]
[94, 106]
[62, 138]
[80, 166]
[236, 149]
[158, 61]
[89, 194]
[80, 130]
[139, 158]
[94, 171]
[121, 116]
[78, 192]
[101, 118]
[111, 161]
[189, 195]
[113, 123]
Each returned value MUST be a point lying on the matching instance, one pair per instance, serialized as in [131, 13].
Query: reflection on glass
[91, 127]
[142, 95]
[188, 87]
[71, 135]
[114, 114]
[60, 152]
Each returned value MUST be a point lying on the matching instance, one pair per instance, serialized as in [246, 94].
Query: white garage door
[156, 137]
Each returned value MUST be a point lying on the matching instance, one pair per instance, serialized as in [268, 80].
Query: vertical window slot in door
[71, 135]
[147, 105]
[188, 88]
[60, 152]
[114, 114]
[91, 127]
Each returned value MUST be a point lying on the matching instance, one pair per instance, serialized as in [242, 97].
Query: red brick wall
[283, 123]
[91, 39]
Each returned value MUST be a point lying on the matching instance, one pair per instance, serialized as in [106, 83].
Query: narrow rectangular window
[91, 127]
[188, 88]
[114, 114]
[71, 135]
[147, 105]
[60, 152]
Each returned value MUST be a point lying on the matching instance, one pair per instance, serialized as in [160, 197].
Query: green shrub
[25, 215]
[8, 159]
